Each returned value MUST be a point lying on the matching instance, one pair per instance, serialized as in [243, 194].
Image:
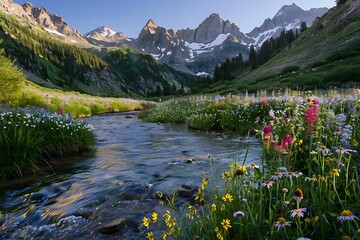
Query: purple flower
[299, 211]
[239, 213]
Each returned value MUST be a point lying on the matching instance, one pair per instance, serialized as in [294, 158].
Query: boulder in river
[113, 226]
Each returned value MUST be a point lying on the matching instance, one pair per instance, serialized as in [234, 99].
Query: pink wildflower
[264, 101]
[310, 119]
[267, 130]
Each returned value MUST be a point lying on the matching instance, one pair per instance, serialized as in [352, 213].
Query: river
[130, 163]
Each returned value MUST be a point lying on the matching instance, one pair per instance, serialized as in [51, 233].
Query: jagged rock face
[155, 40]
[209, 30]
[54, 24]
[288, 17]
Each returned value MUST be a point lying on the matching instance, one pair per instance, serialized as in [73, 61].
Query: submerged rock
[113, 226]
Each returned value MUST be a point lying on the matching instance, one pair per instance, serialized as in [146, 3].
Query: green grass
[31, 136]
[306, 185]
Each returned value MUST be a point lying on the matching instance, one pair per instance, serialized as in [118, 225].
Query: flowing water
[106, 193]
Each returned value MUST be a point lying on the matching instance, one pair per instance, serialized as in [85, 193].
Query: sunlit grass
[305, 187]
[31, 136]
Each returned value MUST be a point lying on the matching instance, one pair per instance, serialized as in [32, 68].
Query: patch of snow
[202, 74]
[54, 32]
[163, 49]
[168, 53]
[107, 32]
[280, 13]
[129, 40]
[182, 50]
[199, 48]
[189, 60]
[156, 56]
[143, 50]
[259, 40]
[292, 25]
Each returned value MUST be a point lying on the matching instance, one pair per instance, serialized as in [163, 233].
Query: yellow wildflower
[241, 170]
[226, 175]
[154, 217]
[213, 207]
[226, 224]
[146, 222]
[192, 212]
[227, 198]
[204, 183]
[150, 236]
[334, 172]
[218, 234]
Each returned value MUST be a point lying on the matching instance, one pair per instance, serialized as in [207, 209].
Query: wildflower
[213, 207]
[346, 215]
[298, 195]
[299, 212]
[218, 234]
[204, 183]
[192, 212]
[254, 165]
[284, 190]
[281, 223]
[227, 198]
[264, 101]
[345, 237]
[323, 149]
[342, 150]
[150, 236]
[312, 179]
[146, 222]
[241, 170]
[226, 224]
[268, 184]
[287, 140]
[358, 231]
[239, 213]
[159, 194]
[154, 217]
[310, 119]
[277, 176]
[267, 130]
[226, 175]
[334, 172]
[294, 174]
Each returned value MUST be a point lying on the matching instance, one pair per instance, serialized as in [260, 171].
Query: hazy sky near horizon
[130, 16]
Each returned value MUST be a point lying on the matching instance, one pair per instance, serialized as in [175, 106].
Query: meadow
[305, 187]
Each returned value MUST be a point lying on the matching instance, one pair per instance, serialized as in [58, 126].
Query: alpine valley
[108, 63]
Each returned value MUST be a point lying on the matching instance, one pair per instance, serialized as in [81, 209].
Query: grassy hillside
[326, 55]
[50, 59]
[51, 62]
[142, 73]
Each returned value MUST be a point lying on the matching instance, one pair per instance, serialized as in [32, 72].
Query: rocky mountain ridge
[194, 51]
[52, 23]
[199, 50]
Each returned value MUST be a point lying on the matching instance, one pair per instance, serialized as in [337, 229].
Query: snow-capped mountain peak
[105, 34]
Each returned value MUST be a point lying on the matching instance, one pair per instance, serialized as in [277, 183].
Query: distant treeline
[233, 67]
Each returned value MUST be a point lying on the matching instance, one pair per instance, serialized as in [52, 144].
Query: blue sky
[129, 16]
